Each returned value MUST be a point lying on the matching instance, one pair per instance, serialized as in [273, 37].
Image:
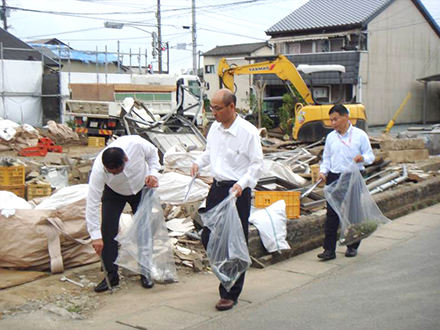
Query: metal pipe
[391, 183]
[383, 180]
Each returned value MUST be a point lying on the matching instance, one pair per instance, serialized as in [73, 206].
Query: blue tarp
[64, 52]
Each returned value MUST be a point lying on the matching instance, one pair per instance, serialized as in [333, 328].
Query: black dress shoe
[146, 282]
[101, 287]
[327, 255]
[351, 252]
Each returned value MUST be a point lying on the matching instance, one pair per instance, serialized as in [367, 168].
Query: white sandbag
[9, 200]
[65, 196]
[173, 187]
[177, 158]
[282, 171]
[271, 224]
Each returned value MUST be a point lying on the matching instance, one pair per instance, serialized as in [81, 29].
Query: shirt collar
[234, 127]
[350, 128]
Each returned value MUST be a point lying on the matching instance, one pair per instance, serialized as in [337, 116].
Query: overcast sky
[80, 23]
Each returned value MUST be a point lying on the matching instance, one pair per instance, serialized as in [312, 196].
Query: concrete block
[407, 156]
[402, 144]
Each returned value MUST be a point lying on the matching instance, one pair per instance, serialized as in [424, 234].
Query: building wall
[402, 48]
[76, 66]
[243, 82]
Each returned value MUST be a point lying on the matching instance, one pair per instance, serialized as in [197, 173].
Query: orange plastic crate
[19, 190]
[264, 199]
[12, 175]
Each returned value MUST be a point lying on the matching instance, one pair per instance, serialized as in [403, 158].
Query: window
[209, 68]
[293, 48]
[307, 47]
[336, 44]
[322, 46]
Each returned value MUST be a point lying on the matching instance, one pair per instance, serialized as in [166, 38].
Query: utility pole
[159, 37]
[5, 23]
[194, 37]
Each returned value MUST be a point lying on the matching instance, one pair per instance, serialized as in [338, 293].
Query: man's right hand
[98, 245]
[322, 176]
[194, 170]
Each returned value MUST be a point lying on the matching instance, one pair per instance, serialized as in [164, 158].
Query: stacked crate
[12, 179]
[38, 189]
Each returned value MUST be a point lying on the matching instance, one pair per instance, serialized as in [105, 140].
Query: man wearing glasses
[118, 175]
[234, 152]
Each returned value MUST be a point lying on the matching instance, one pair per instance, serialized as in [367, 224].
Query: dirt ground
[52, 296]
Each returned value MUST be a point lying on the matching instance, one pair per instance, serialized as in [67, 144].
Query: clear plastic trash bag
[146, 248]
[358, 213]
[227, 250]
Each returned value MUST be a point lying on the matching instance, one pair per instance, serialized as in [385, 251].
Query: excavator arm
[281, 66]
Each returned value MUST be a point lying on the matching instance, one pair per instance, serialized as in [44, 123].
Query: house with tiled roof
[386, 46]
[237, 55]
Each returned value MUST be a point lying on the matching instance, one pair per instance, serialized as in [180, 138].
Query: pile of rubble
[289, 166]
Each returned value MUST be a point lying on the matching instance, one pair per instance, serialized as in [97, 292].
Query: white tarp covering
[173, 187]
[282, 171]
[24, 78]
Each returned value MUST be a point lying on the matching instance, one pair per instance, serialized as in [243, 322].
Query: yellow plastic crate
[19, 190]
[96, 142]
[264, 199]
[34, 190]
[12, 175]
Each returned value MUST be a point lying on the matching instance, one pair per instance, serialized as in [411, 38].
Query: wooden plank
[92, 92]
[143, 88]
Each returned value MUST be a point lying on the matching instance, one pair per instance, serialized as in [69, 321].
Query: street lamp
[157, 47]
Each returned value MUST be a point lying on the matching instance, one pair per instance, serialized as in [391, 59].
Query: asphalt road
[397, 288]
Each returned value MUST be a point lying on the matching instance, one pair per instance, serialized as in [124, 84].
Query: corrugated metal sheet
[64, 52]
[316, 14]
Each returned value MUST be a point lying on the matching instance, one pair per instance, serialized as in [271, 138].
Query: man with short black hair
[234, 152]
[344, 145]
[118, 175]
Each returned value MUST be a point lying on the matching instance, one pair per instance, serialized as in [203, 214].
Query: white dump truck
[96, 109]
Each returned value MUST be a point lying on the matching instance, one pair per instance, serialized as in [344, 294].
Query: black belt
[227, 183]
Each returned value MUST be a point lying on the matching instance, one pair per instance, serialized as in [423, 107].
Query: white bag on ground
[271, 224]
[227, 250]
[358, 213]
[146, 247]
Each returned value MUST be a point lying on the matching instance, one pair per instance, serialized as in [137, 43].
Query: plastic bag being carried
[227, 250]
[146, 247]
[358, 213]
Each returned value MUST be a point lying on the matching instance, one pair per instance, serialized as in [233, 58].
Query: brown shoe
[225, 304]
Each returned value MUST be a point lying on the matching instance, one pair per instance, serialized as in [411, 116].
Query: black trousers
[332, 222]
[215, 196]
[112, 206]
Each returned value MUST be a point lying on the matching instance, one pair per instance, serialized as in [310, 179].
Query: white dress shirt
[340, 150]
[235, 153]
[142, 162]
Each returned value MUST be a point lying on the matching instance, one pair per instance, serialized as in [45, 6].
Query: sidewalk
[190, 303]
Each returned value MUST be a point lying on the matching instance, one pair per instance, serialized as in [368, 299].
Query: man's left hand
[237, 190]
[151, 182]
[359, 159]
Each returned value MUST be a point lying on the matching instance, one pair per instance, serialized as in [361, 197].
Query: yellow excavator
[312, 121]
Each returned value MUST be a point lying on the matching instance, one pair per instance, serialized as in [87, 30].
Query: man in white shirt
[234, 152]
[344, 145]
[118, 175]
